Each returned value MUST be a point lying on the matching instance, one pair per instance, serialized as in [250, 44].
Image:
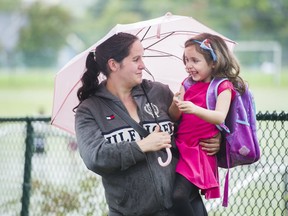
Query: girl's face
[131, 67]
[196, 65]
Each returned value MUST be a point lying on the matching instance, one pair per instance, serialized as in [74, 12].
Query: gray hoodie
[134, 182]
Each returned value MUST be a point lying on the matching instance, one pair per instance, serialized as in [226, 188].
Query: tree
[45, 34]
[8, 5]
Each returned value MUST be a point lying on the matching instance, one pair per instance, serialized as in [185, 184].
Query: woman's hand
[212, 145]
[155, 141]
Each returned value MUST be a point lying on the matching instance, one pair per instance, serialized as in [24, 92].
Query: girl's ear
[113, 65]
[213, 64]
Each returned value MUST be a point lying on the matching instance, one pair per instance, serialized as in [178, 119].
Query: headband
[205, 44]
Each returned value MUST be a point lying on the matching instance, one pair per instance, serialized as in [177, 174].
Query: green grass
[27, 79]
[270, 90]
[25, 93]
[258, 79]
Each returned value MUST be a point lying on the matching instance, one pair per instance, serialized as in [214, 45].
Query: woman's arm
[211, 145]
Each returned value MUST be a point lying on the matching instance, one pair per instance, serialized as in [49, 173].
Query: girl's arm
[174, 111]
[216, 116]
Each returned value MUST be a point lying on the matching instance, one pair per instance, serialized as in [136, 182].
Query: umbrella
[163, 41]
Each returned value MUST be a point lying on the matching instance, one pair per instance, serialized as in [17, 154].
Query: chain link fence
[43, 174]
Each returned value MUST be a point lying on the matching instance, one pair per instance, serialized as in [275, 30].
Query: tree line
[48, 27]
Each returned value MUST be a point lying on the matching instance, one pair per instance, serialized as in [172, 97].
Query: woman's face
[132, 66]
[196, 65]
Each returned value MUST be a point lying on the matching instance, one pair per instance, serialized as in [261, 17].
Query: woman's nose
[142, 65]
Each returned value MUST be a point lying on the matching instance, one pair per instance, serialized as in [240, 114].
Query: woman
[134, 182]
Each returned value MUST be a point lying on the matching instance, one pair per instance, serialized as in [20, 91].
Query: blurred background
[41, 170]
[39, 36]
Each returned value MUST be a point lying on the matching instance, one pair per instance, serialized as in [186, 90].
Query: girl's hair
[226, 65]
[116, 47]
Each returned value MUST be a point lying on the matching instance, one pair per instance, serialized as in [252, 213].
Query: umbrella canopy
[163, 40]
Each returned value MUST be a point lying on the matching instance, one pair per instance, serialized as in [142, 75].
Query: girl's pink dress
[194, 163]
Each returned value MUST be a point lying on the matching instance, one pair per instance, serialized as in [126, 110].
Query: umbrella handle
[169, 158]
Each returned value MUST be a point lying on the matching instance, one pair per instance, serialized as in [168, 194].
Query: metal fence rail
[43, 174]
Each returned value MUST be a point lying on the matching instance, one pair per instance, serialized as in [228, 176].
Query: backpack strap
[212, 92]
[187, 83]
[211, 99]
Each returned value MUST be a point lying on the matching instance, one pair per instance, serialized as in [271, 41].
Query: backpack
[240, 145]
[240, 129]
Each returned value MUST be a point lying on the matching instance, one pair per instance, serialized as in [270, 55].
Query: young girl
[205, 56]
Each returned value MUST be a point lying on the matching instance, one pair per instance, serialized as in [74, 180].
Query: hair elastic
[94, 54]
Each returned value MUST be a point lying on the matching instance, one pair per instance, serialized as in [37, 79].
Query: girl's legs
[186, 198]
[197, 203]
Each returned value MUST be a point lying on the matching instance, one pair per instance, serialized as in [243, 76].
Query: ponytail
[90, 81]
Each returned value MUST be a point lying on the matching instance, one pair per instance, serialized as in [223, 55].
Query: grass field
[29, 93]
[26, 94]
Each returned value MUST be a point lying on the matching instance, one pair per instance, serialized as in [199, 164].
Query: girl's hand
[174, 111]
[187, 107]
[177, 98]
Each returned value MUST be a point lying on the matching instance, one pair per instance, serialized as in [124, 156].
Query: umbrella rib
[147, 71]
[160, 40]
[145, 33]
[164, 54]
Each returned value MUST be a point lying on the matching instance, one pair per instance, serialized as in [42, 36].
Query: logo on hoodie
[148, 109]
[128, 134]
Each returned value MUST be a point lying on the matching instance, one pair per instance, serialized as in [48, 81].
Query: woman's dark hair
[226, 64]
[116, 47]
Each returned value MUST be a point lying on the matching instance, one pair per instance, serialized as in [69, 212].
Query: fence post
[27, 168]
[286, 191]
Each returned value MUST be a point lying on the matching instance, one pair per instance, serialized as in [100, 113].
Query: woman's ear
[113, 65]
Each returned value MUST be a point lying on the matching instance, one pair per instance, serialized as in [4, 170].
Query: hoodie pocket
[125, 195]
[138, 192]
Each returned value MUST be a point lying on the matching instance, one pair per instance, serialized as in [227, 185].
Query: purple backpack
[240, 145]
[240, 128]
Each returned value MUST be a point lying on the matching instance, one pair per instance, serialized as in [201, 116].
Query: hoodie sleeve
[99, 155]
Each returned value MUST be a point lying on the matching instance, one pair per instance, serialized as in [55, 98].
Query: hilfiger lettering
[129, 134]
